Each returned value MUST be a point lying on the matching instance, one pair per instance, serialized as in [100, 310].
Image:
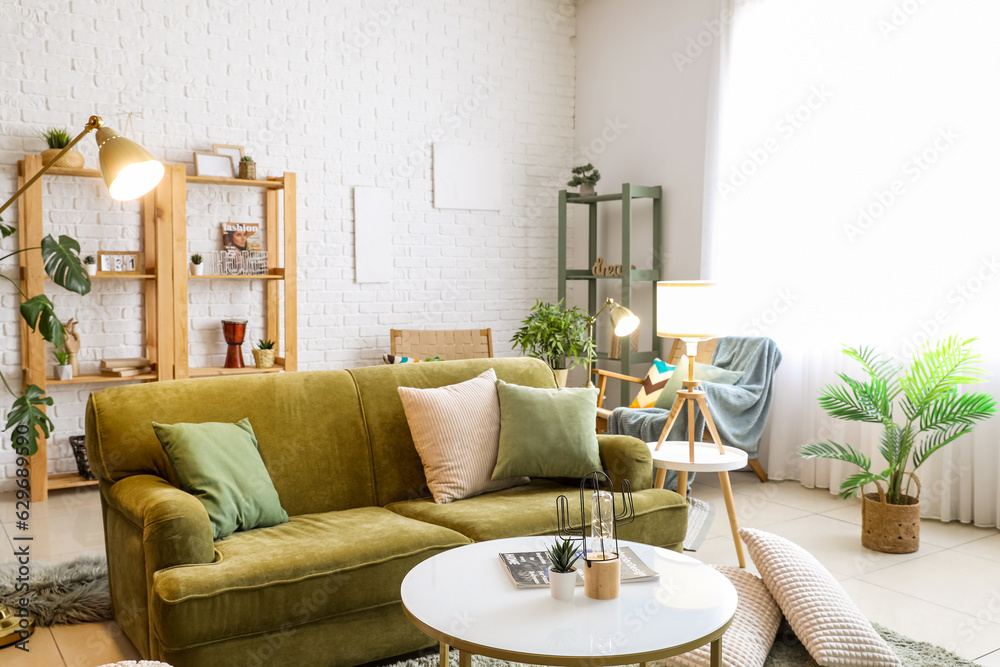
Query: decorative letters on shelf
[600, 269]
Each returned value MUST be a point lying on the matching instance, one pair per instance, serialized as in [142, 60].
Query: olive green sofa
[322, 589]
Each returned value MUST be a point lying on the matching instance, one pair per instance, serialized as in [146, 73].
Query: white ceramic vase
[562, 585]
[197, 269]
[561, 375]
[91, 269]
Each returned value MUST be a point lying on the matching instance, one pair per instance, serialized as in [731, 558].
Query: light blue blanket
[739, 410]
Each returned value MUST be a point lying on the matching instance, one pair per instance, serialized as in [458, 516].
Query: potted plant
[263, 354]
[248, 168]
[557, 336]
[933, 413]
[562, 574]
[90, 264]
[197, 268]
[57, 139]
[586, 177]
[64, 369]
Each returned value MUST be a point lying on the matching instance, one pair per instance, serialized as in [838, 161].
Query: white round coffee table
[463, 598]
[676, 455]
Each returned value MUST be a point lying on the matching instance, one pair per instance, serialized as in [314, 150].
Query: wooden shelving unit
[628, 278]
[164, 249]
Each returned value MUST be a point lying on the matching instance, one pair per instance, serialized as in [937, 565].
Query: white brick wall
[346, 94]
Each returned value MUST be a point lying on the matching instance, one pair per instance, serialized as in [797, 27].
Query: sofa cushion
[219, 465]
[546, 432]
[399, 474]
[660, 515]
[456, 430]
[314, 567]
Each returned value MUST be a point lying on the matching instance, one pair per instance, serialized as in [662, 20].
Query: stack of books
[124, 368]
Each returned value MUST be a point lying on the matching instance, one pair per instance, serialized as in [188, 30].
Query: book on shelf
[125, 372]
[125, 363]
[528, 569]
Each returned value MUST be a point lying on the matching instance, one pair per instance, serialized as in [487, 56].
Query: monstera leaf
[5, 229]
[26, 411]
[40, 314]
[63, 265]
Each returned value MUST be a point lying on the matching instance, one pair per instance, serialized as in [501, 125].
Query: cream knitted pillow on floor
[749, 637]
[823, 616]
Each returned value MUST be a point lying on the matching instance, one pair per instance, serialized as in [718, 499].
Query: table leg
[682, 483]
[727, 492]
[661, 477]
[716, 660]
[443, 656]
[464, 659]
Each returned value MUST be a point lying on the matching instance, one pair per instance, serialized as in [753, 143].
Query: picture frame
[119, 262]
[210, 164]
[235, 153]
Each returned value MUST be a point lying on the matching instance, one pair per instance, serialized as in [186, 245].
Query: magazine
[241, 236]
[528, 569]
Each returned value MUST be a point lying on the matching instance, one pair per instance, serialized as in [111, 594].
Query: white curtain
[853, 201]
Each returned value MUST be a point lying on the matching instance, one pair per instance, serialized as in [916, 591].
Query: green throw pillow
[703, 372]
[546, 432]
[219, 465]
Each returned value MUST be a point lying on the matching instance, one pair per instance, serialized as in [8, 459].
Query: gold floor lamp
[129, 172]
[623, 321]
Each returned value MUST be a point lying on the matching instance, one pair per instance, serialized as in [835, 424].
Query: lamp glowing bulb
[128, 169]
[602, 527]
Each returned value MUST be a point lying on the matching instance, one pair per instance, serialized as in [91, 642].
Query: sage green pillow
[546, 432]
[703, 372]
[219, 465]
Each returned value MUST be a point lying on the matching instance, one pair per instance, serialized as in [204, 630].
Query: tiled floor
[947, 593]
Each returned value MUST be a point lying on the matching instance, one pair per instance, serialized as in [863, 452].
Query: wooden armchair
[450, 345]
[705, 350]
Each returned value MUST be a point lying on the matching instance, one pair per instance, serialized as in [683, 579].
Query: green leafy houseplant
[585, 175]
[57, 137]
[563, 555]
[552, 333]
[89, 260]
[61, 259]
[246, 158]
[265, 344]
[196, 259]
[62, 356]
[934, 412]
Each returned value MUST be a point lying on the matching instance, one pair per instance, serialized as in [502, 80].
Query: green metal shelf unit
[628, 193]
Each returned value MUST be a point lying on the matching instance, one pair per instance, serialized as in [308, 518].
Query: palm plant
[935, 413]
[554, 334]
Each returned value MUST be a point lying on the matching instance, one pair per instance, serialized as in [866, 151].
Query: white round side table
[675, 455]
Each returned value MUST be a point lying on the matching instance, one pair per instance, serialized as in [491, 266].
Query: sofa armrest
[625, 457]
[174, 524]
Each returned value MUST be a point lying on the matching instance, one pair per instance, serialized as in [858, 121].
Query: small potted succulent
[197, 268]
[64, 369]
[90, 264]
[57, 139]
[586, 177]
[562, 574]
[248, 168]
[263, 354]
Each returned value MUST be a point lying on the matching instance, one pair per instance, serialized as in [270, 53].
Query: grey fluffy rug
[71, 592]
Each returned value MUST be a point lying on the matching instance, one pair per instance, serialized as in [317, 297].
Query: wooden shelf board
[68, 481]
[97, 377]
[82, 173]
[216, 180]
[215, 370]
[265, 276]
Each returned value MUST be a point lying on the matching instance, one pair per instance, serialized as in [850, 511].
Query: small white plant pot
[197, 269]
[64, 372]
[587, 191]
[562, 585]
[91, 269]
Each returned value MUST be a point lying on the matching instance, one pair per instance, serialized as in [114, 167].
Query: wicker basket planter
[248, 170]
[72, 159]
[263, 358]
[891, 529]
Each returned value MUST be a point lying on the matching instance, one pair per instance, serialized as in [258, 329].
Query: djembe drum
[234, 331]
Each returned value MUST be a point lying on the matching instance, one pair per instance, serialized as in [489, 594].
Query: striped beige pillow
[456, 430]
[823, 616]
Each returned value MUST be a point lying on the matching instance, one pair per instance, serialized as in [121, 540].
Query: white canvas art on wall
[372, 235]
[467, 176]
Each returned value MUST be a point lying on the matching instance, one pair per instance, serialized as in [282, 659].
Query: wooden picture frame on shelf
[235, 153]
[119, 263]
[211, 164]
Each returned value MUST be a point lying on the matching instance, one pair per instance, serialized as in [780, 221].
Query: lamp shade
[689, 309]
[128, 169]
[623, 320]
